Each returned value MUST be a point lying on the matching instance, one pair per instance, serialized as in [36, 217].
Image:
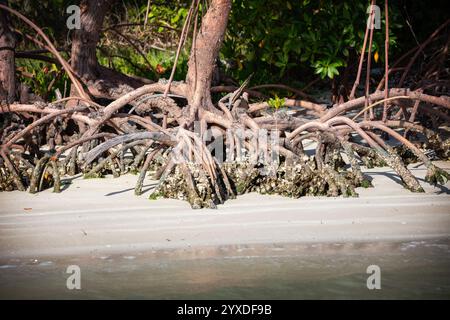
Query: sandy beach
[103, 216]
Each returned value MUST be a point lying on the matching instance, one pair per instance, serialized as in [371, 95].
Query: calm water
[409, 270]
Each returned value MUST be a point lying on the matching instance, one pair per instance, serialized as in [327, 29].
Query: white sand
[103, 216]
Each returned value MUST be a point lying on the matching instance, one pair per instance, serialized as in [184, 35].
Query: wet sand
[408, 270]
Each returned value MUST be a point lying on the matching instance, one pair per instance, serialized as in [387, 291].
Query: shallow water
[409, 270]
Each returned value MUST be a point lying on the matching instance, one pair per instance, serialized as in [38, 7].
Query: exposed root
[437, 176]
[150, 123]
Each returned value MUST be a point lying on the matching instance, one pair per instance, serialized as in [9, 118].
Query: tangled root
[290, 180]
[8, 180]
[189, 182]
[440, 146]
[155, 103]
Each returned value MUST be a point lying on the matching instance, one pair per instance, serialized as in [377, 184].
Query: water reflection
[410, 270]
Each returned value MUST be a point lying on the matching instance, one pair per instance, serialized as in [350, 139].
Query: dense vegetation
[277, 41]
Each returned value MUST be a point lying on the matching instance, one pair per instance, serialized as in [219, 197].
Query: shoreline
[102, 217]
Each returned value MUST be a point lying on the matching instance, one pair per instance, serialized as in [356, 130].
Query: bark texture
[7, 69]
[84, 43]
[203, 57]
[101, 81]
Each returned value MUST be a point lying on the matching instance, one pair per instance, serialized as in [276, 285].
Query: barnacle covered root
[290, 180]
[436, 175]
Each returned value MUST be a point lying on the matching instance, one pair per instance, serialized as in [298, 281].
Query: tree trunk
[203, 56]
[7, 68]
[84, 43]
[101, 81]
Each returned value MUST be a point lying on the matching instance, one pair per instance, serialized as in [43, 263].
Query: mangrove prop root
[437, 176]
[56, 176]
[394, 161]
[143, 172]
[15, 176]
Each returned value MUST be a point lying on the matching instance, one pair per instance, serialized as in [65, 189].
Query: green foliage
[170, 15]
[327, 68]
[128, 61]
[164, 22]
[276, 102]
[50, 15]
[292, 37]
[42, 77]
[277, 40]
